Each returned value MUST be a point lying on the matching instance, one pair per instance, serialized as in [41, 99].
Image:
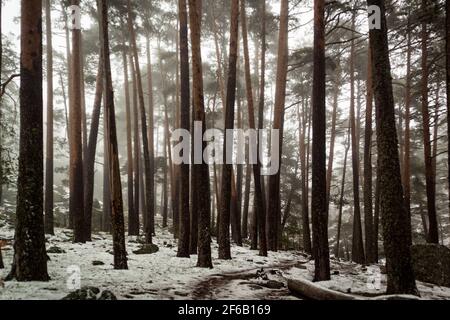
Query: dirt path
[217, 286]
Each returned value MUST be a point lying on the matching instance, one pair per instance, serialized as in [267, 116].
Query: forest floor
[164, 276]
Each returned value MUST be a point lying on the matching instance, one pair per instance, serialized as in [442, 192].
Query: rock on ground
[431, 263]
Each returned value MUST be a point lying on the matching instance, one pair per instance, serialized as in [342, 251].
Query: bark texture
[227, 168]
[76, 186]
[400, 276]
[274, 207]
[49, 224]
[319, 193]
[200, 172]
[30, 258]
[184, 227]
[117, 218]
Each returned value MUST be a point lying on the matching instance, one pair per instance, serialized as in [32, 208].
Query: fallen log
[312, 291]
[309, 290]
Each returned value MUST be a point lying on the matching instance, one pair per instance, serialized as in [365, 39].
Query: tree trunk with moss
[30, 258]
[400, 275]
[319, 212]
[433, 235]
[447, 59]
[185, 123]
[49, 225]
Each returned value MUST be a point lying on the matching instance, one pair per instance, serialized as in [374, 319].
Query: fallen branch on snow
[312, 291]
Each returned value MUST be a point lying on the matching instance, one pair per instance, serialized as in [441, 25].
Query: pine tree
[368, 202]
[447, 59]
[49, 154]
[200, 179]
[433, 235]
[258, 181]
[319, 193]
[184, 227]
[89, 160]
[149, 192]
[117, 218]
[30, 258]
[133, 219]
[357, 241]
[274, 207]
[227, 172]
[76, 200]
[400, 276]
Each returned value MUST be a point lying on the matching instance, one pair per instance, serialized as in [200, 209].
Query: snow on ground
[157, 276]
[362, 281]
[164, 276]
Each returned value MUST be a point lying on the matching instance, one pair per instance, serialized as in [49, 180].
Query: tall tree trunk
[165, 202]
[447, 59]
[336, 90]
[357, 241]
[133, 219]
[30, 258]
[2, 265]
[239, 182]
[200, 171]
[274, 208]
[49, 226]
[177, 168]
[1, 164]
[136, 144]
[254, 226]
[407, 139]
[400, 276]
[185, 123]
[368, 203]
[436, 128]
[248, 177]
[168, 165]
[151, 143]
[149, 170]
[288, 207]
[106, 225]
[117, 219]
[83, 108]
[306, 233]
[376, 214]
[69, 83]
[341, 198]
[261, 103]
[76, 200]
[258, 181]
[91, 151]
[433, 234]
[319, 193]
[193, 241]
[167, 147]
[224, 227]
